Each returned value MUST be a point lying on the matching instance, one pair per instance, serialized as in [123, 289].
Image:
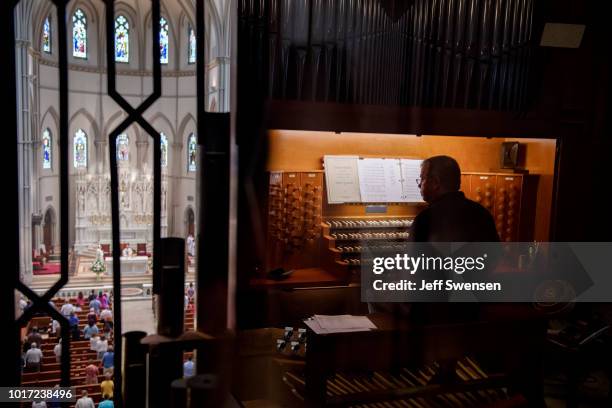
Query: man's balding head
[439, 175]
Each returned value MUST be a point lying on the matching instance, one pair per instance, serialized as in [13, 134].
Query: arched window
[122, 39]
[163, 41]
[123, 147]
[79, 34]
[46, 148]
[191, 152]
[46, 36]
[192, 45]
[164, 149]
[80, 149]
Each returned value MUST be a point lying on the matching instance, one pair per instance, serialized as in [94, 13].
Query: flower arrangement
[98, 267]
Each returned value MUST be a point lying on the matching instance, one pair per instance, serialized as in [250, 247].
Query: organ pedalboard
[348, 237]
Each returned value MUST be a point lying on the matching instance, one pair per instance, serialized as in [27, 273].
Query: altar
[130, 265]
[93, 209]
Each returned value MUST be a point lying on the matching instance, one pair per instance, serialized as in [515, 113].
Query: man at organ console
[450, 216]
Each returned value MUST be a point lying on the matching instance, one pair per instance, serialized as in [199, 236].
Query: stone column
[223, 84]
[24, 134]
[101, 157]
[142, 156]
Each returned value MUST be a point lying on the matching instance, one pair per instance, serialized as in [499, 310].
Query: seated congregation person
[91, 373]
[57, 350]
[108, 361]
[103, 300]
[34, 337]
[56, 328]
[102, 347]
[85, 401]
[95, 305]
[107, 387]
[106, 402]
[106, 314]
[91, 316]
[33, 358]
[93, 342]
[80, 300]
[89, 331]
[74, 327]
[67, 308]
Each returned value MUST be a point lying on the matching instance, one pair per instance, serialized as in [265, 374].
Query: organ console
[322, 244]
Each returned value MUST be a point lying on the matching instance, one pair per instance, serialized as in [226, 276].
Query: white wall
[97, 114]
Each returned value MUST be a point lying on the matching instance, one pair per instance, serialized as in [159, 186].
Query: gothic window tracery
[79, 34]
[80, 149]
[192, 45]
[122, 39]
[47, 148]
[123, 147]
[191, 152]
[46, 36]
[163, 41]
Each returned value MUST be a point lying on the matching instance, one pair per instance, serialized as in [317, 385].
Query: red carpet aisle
[48, 269]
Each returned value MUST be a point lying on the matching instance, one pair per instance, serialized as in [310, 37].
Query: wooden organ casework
[312, 242]
[319, 242]
[510, 198]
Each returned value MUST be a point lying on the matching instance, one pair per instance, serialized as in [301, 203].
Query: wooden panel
[294, 219]
[304, 150]
[538, 156]
[292, 150]
[507, 212]
[482, 190]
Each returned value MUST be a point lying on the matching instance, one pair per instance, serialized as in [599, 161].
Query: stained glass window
[192, 46]
[123, 147]
[79, 34]
[163, 41]
[46, 148]
[122, 39]
[46, 37]
[80, 149]
[164, 150]
[191, 152]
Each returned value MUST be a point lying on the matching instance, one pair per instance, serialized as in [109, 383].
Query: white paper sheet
[372, 180]
[411, 170]
[393, 181]
[341, 179]
[322, 324]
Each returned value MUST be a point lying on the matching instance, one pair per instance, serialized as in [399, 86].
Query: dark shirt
[35, 338]
[451, 218]
[454, 218]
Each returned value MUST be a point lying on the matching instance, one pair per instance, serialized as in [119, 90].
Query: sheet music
[341, 178]
[393, 181]
[350, 179]
[372, 180]
[322, 324]
[411, 170]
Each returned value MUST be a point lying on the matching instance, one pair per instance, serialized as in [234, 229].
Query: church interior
[195, 223]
